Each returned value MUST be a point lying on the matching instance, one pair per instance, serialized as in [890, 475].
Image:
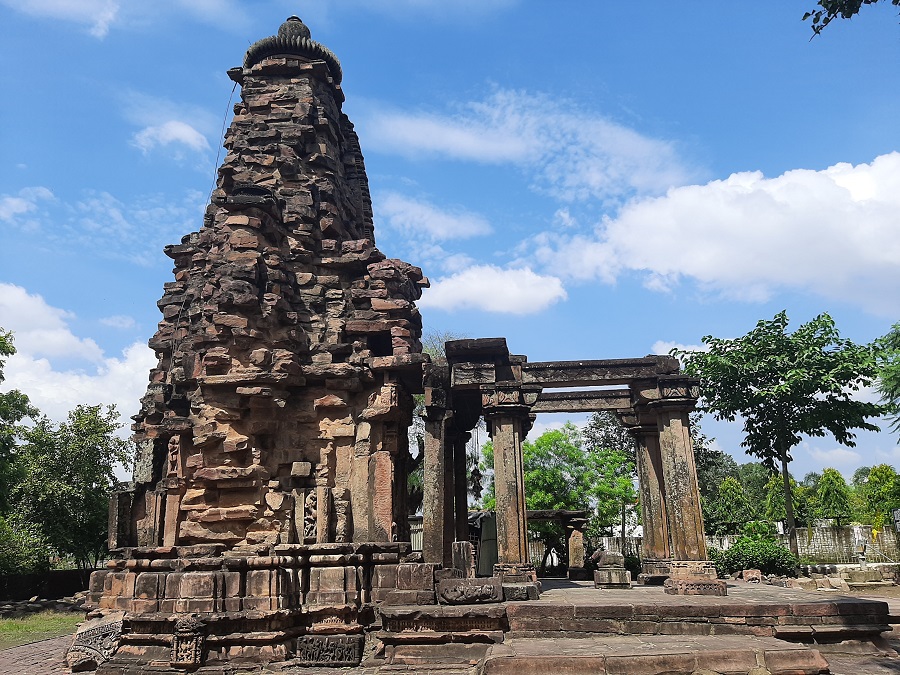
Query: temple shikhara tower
[267, 525]
[278, 411]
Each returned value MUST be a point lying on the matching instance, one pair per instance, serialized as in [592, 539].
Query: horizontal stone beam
[591, 373]
[582, 401]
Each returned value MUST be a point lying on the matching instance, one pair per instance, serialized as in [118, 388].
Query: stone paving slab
[642, 655]
[38, 658]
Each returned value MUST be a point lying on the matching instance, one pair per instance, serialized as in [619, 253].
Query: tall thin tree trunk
[624, 552]
[788, 503]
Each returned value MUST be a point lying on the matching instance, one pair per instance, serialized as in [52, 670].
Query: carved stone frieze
[336, 651]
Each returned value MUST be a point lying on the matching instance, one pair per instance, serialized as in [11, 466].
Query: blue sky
[590, 180]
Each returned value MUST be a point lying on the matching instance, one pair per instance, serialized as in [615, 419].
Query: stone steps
[651, 655]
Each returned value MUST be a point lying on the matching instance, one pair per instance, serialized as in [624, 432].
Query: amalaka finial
[293, 39]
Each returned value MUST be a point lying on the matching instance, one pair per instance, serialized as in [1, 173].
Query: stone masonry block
[384, 576]
[259, 583]
[173, 585]
[415, 576]
[150, 585]
[198, 585]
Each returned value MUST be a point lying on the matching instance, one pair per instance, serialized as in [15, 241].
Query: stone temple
[267, 523]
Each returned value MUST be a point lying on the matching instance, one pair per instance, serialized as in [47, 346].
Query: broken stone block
[520, 592]
[752, 576]
[95, 642]
[469, 591]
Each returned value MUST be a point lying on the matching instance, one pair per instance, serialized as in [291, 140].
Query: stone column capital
[666, 391]
[513, 399]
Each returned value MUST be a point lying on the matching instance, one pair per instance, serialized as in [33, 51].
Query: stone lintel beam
[591, 373]
[481, 349]
[582, 401]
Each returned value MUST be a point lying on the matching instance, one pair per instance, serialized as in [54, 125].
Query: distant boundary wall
[828, 544]
[51, 585]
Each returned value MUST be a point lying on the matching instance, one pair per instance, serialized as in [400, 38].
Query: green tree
[561, 473]
[607, 437]
[23, 550]
[774, 506]
[879, 495]
[713, 467]
[786, 385]
[730, 508]
[828, 10]
[833, 497]
[754, 477]
[68, 475]
[14, 407]
[889, 373]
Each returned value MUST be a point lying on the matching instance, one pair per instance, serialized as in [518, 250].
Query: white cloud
[41, 330]
[119, 381]
[96, 14]
[834, 457]
[419, 217]
[118, 321]
[42, 336]
[834, 233]
[492, 289]
[169, 133]
[168, 124]
[569, 153]
[26, 201]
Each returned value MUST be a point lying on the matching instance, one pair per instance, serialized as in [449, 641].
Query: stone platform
[576, 629]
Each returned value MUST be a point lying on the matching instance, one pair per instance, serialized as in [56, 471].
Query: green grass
[35, 627]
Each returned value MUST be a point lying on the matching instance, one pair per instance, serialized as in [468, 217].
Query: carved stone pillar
[384, 527]
[654, 513]
[460, 486]
[436, 544]
[507, 411]
[685, 517]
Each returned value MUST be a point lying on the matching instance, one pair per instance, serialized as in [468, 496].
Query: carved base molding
[193, 606]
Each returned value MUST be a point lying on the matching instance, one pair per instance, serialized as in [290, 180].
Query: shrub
[753, 553]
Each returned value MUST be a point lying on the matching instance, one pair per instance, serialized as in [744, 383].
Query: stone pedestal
[611, 572]
[612, 577]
